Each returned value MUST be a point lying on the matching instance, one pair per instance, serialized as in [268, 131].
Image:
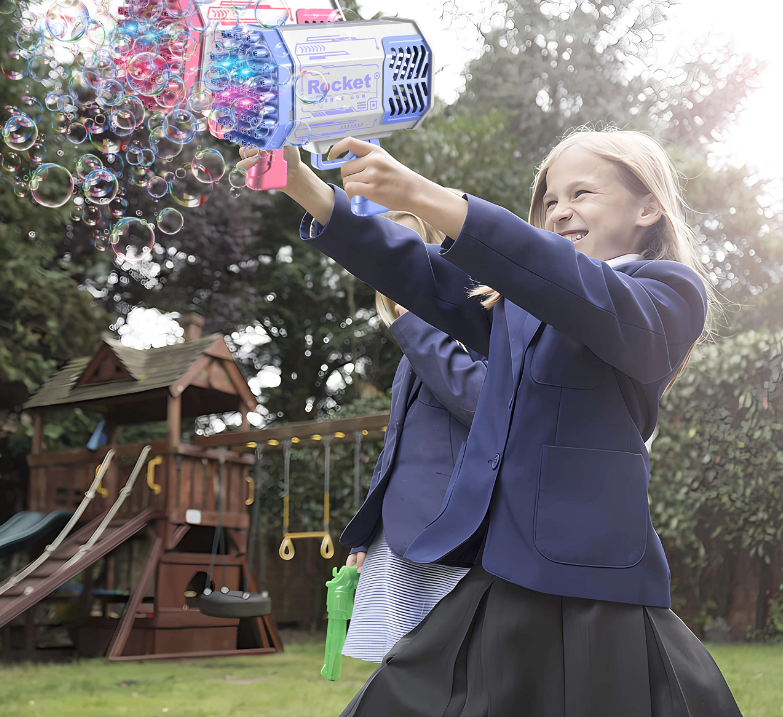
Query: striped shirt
[394, 595]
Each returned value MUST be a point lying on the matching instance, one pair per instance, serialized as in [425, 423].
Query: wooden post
[37, 494]
[174, 422]
[123, 631]
[38, 426]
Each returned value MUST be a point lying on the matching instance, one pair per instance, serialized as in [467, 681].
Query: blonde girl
[587, 313]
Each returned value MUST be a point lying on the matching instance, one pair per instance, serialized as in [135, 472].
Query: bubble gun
[339, 607]
[309, 85]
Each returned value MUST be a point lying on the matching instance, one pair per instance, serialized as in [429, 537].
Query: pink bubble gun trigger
[269, 172]
[360, 206]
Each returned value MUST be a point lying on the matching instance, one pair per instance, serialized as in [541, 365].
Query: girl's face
[587, 201]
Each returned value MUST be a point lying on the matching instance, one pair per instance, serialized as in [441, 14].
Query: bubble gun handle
[360, 206]
[339, 607]
[269, 172]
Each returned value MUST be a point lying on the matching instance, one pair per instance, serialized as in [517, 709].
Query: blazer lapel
[522, 327]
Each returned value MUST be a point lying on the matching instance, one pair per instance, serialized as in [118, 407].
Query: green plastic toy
[339, 607]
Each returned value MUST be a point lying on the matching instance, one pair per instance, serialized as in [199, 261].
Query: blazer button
[495, 462]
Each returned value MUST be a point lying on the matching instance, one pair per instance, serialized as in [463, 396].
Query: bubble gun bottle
[339, 607]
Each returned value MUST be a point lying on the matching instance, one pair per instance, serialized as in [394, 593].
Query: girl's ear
[650, 211]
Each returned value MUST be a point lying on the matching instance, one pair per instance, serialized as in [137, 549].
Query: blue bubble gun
[310, 85]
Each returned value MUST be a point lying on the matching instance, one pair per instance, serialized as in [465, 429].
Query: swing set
[301, 435]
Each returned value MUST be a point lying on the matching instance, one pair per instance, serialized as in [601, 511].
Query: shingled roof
[137, 371]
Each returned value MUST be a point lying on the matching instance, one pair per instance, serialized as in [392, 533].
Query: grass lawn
[287, 685]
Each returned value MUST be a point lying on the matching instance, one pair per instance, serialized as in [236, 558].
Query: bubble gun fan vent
[406, 78]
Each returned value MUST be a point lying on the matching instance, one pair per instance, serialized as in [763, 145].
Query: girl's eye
[551, 204]
[581, 191]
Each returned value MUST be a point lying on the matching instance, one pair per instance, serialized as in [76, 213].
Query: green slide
[28, 525]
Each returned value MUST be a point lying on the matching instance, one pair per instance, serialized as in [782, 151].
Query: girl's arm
[447, 369]
[642, 324]
[392, 259]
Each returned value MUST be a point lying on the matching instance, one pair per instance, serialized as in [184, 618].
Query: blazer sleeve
[642, 324]
[395, 261]
[448, 370]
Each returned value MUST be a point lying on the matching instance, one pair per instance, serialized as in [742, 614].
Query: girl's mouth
[575, 236]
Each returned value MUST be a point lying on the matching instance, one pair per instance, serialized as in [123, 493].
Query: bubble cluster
[127, 95]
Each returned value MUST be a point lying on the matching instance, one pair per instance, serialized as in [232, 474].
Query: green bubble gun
[339, 607]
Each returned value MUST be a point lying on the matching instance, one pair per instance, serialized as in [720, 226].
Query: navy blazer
[433, 400]
[579, 354]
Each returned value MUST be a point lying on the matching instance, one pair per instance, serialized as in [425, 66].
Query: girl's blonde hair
[646, 169]
[429, 234]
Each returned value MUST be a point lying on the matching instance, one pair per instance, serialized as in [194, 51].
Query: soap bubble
[217, 78]
[91, 214]
[208, 165]
[11, 162]
[118, 206]
[146, 158]
[162, 145]
[76, 133]
[297, 133]
[32, 107]
[182, 44]
[20, 132]
[67, 20]
[103, 28]
[200, 98]
[132, 239]
[148, 74]
[81, 91]
[272, 17]
[51, 185]
[75, 214]
[115, 164]
[127, 114]
[110, 93]
[100, 240]
[173, 94]
[170, 221]
[14, 64]
[259, 58]
[186, 190]
[29, 39]
[60, 122]
[237, 177]
[21, 188]
[311, 87]
[100, 186]
[7, 7]
[146, 43]
[180, 126]
[37, 153]
[98, 68]
[87, 163]
[235, 193]
[178, 8]
[107, 142]
[157, 187]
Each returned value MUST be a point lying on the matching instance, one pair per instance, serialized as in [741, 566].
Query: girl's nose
[560, 213]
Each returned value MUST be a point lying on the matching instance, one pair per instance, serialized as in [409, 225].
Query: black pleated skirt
[494, 649]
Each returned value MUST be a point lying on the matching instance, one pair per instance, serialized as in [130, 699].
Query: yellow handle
[153, 486]
[327, 547]
[287, 549]
[251, 491]
[99, 489]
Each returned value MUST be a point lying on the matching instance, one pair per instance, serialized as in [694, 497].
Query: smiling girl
[587, 313]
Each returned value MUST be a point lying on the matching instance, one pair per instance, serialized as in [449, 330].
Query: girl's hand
[400, 310]
[376, 175]
[356, 559]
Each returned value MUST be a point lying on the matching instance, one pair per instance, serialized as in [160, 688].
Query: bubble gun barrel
[339, 607]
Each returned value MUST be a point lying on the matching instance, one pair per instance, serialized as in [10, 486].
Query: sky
[752, 25]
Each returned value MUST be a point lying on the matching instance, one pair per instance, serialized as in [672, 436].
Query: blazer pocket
[591, 507]
[560, 361]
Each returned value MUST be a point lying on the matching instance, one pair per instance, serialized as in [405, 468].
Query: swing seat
[234, 603]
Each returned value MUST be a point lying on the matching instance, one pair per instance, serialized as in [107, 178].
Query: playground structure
[170, 513]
